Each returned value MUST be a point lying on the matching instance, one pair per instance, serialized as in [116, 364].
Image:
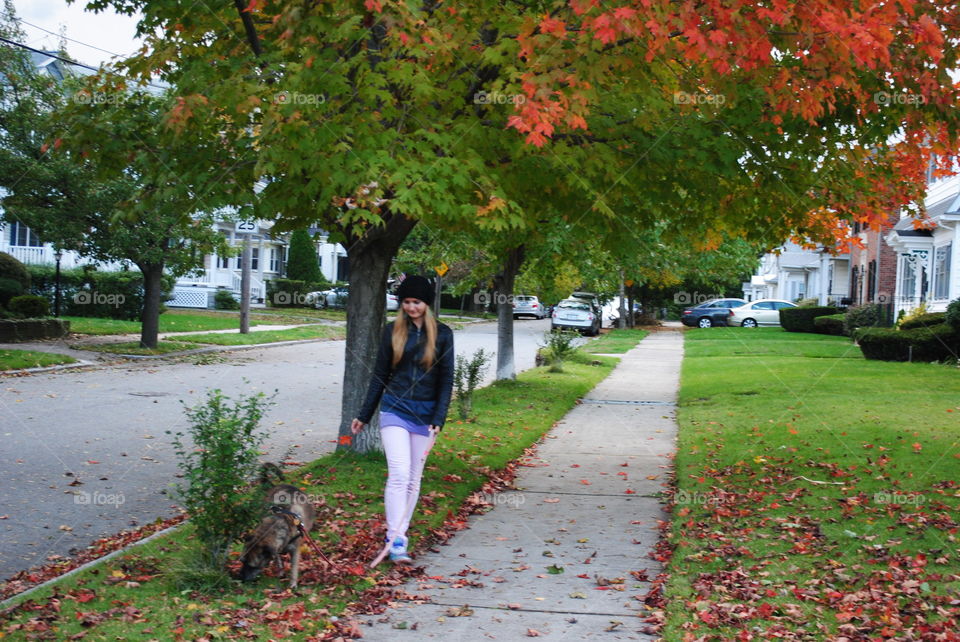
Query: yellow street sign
[443, 268]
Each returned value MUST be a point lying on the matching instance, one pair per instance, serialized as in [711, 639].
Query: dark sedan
[711, 313]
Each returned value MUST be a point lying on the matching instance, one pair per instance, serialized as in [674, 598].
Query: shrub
[935, 343]
[829, 324]
[808, 303]
[466, 376]
[303, 263]
[288, 293]
[29, 306]
[952, 315]
[87, 292]
[926, 320]
[558, 347]
[9, 288]
[862, 316]
[11, 268]
[219, 464]
[224, 300]
[801, 319]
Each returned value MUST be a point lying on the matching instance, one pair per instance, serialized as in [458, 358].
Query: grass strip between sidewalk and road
[194, 341]
[21, 359]
[816, 492]
[616, 341]
[134, 595]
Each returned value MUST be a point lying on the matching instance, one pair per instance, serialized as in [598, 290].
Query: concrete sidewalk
[566, 553]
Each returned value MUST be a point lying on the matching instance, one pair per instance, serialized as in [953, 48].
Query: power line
[66, 38]
[70, 62]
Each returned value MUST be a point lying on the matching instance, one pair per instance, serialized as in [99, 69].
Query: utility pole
[247, 229]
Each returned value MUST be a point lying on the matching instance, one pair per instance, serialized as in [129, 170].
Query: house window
[941, 272]
[274, 259]
[23, 236]
[254, 259]
[872, 280]
[223, 262]
[908, 280]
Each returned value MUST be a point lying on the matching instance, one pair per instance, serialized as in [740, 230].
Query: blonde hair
[399, 337]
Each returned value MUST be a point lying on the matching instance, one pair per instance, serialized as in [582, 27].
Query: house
[927, 257]
[792, 273]
[873, 267]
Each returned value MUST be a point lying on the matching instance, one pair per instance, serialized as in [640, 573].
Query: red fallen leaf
[345, 440]
[584, 576]
[574, 465]
[585, 482]
[629, 492]
[92, 461]
[917, 447]
[624, 464]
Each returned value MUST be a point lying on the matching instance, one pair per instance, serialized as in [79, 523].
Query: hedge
[801, 319]
[924, 321]
[86, 292]
[12, 330]
[934, 343]
[829, 324]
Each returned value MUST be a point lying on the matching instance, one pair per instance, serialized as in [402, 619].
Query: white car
[530, 306]
[576, 314]
[756, 313]
[392, 303]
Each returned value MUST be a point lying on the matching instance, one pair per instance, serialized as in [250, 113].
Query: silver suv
[524, 305]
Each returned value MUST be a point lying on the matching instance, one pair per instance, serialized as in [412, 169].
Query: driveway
[85, 454]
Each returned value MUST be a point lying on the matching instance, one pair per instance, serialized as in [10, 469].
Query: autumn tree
[731, 119]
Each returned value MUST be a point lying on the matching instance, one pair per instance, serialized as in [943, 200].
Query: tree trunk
[503, 298]
[369, 258]
[622, 321]
[150, 319]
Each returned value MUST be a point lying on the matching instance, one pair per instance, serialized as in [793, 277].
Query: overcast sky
[109, 31]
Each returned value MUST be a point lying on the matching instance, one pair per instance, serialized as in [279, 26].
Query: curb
[82, 567]
[63, 366]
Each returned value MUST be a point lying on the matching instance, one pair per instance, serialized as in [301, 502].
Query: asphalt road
[105, 430]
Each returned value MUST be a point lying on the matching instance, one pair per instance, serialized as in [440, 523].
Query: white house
[793, 273]
[927, 258]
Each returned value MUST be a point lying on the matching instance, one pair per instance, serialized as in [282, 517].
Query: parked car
[709, 314]
[393, 303]
[590, 298]
[762, 312]
[576, 314]
[524, 305]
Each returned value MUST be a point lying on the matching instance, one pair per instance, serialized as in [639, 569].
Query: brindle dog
[278, 533]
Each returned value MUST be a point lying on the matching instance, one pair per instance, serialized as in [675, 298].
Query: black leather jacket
[409, 380]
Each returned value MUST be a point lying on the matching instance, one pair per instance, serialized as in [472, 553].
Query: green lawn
[816, 491]
[616, 341]
[20, 359]
[269, 336]
[134, 595]
[133, 347]
[170, 321]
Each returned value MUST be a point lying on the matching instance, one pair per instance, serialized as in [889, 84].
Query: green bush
[87, 292]
[829, 324]
[801, 319]
[29, 306]
[935, 343]
[12, 330]
[466, 377]
[11, 268]
[219, 462]
[224, 300]
[952, 315]
[923, 320]
[289, 293]
[9, 288]
[558, 347]
[862, 316]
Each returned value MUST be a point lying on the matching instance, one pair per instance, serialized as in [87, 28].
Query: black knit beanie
[416, 287]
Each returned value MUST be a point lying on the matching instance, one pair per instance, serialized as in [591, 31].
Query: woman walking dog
[413, 381]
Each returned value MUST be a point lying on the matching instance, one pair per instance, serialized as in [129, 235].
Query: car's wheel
[705, 322]
[749, 323]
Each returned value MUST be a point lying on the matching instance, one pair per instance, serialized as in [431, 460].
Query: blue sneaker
[398, 551]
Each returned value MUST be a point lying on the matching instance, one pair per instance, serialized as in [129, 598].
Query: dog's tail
[268, 470]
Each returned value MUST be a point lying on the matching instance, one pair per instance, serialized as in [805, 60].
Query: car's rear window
[573, 305]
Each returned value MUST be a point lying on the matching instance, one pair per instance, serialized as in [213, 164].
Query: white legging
[406, 455]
